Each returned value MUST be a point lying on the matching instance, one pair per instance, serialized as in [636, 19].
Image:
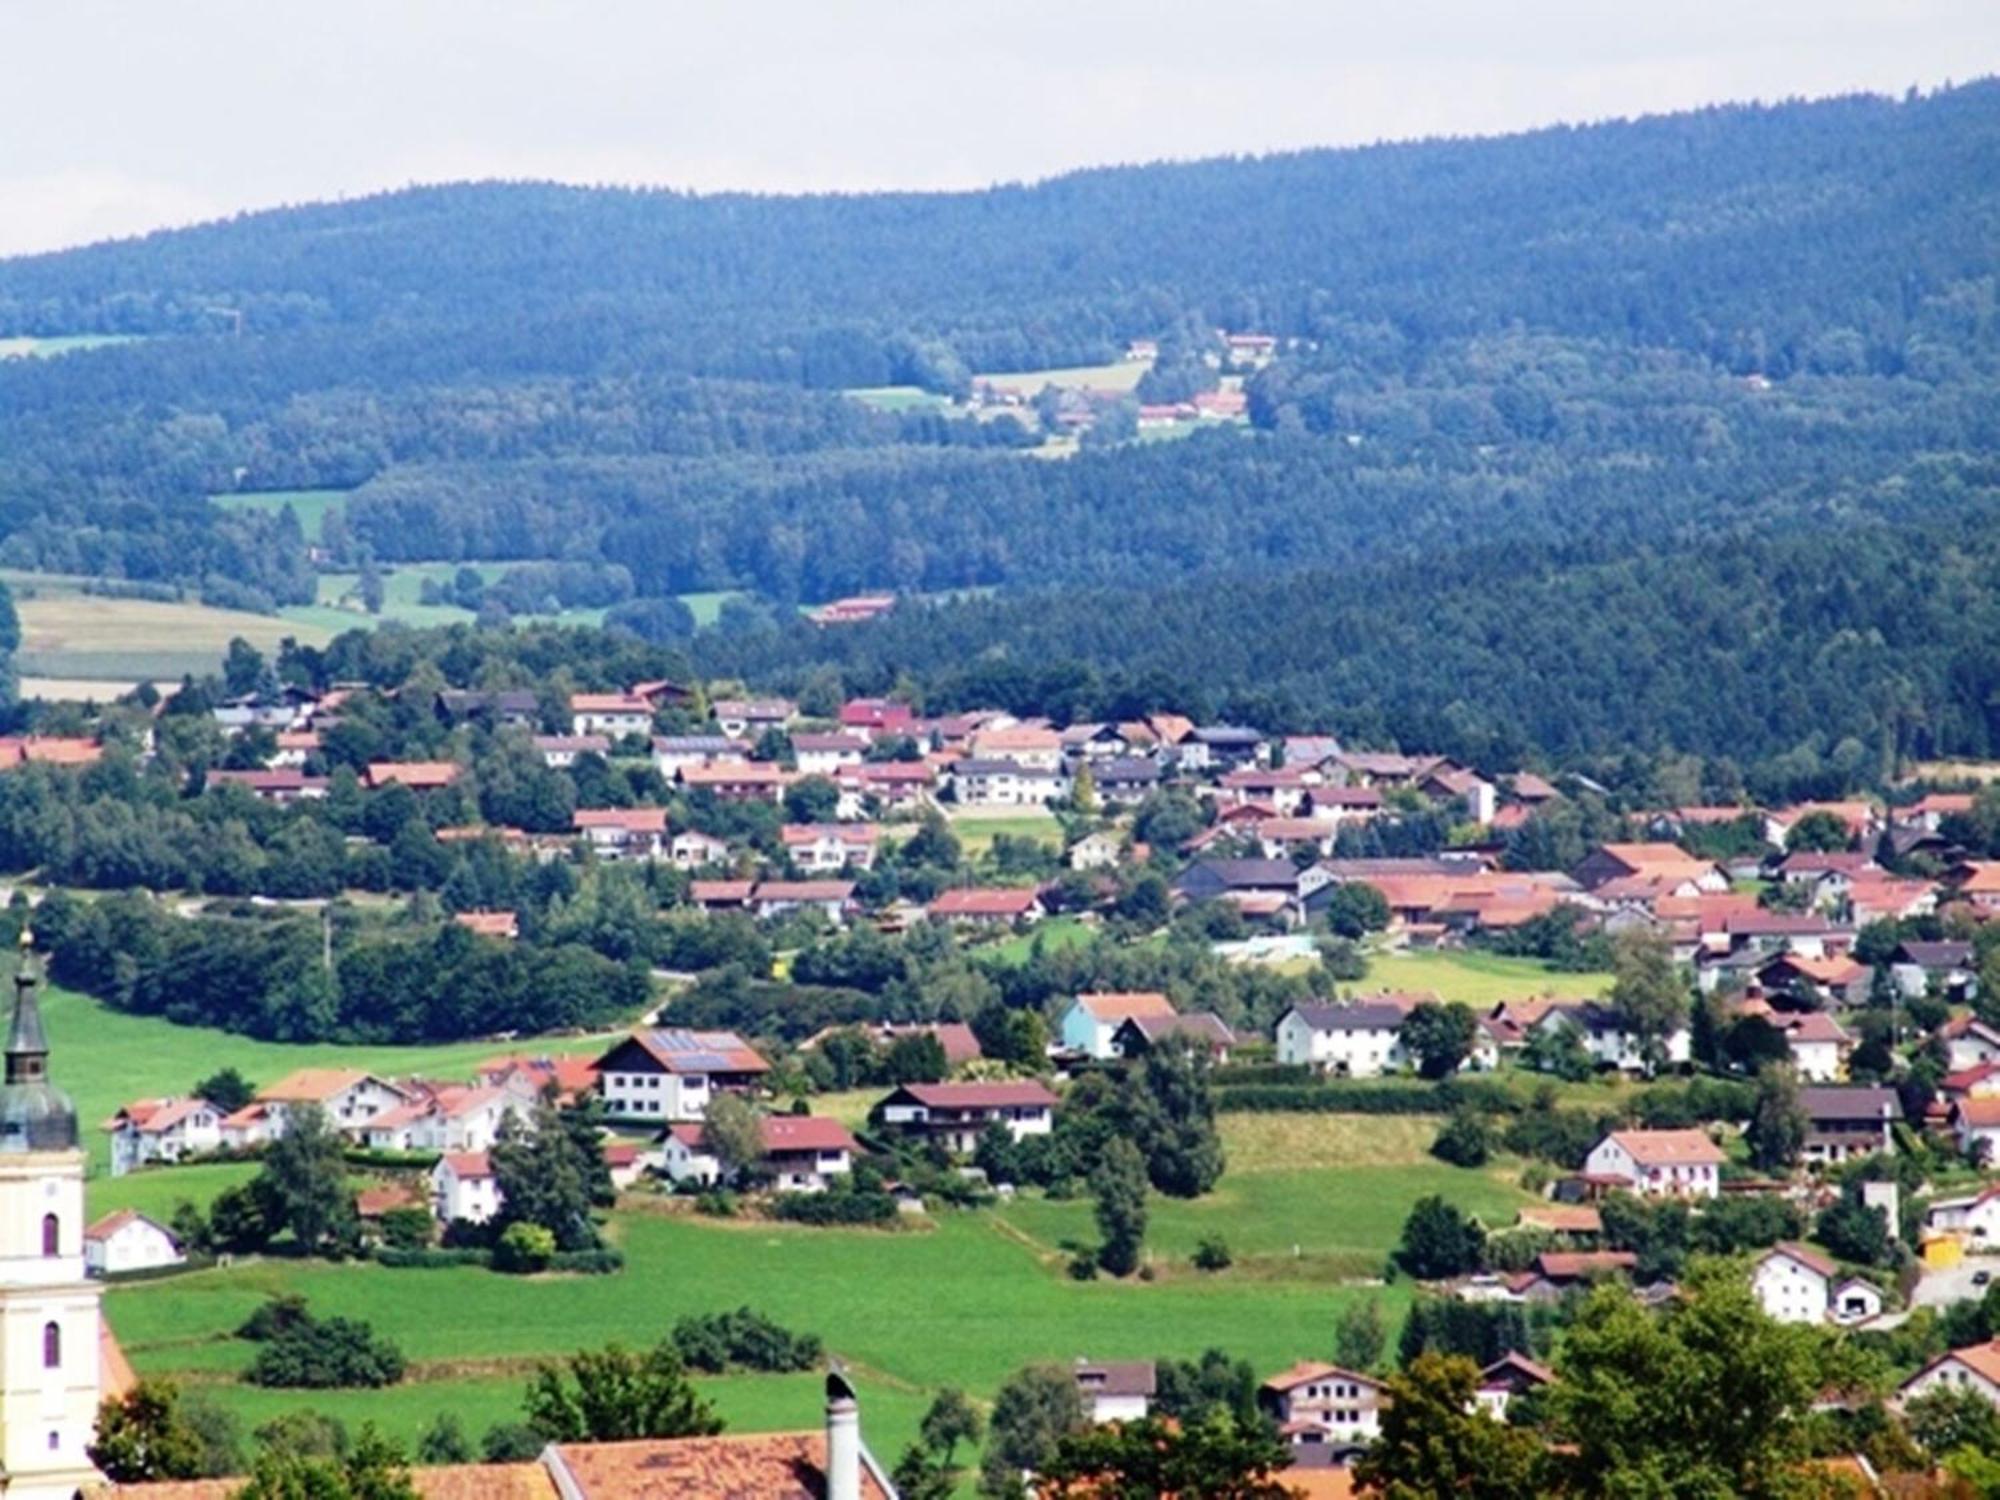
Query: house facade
[127, 1241]
[672, 1073]
[1362, 1039]
[1317, 1405]
[162, 1131]
[955, 1113]
[1659, 1163]
[1092, 1021]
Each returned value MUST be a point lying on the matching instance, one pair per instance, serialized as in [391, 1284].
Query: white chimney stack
[843, 1440]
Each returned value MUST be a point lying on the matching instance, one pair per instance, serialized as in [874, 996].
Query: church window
[51, 1235]
[51, 1346]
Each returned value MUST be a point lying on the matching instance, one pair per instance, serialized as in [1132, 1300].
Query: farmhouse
[1091, 1021]
[1362, 1039]
[985, 908]
[1659, 1163]
[671, 1074]
[1138, 1035]
[830, 898]
[623, 832]
[1315, 1404]
[612, 714]
[955, 1113]
[1116, 1392]
[463, 1187]
[816, 847]
[801, 1152]
[1795, 1284]
[1842, 1123]
[128, 1241]
[452, 1118]
[162, 1130]
[1975, 1368]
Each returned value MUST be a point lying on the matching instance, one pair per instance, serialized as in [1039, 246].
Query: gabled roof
[121, 1218]
[1981, 1359]
[1662, 1148]
[153, 1116]
[1138, 1377]
[1514, 1362]
[1358, 1015]
[1812, 1260]
[1023, 1093]
[419, 775]
[1571, 1265]
[1309, 1372]
[1980, 1112]
[630, 819]
[679, 1050]
[1125, 1005]
[1850, 1102]
[984, 903]
[467, 1165]
[1200, 1028]
[317, 1085]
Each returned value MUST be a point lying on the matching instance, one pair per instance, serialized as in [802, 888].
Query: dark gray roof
[1249, 874]
[1939, 955]
[35, 1115]
[998, 767]
[1201, 1027]
[1854, 1102]
[1229, 734]
[693, 744]
[1363, 1015]
[1135, 1378]
[1125, 768]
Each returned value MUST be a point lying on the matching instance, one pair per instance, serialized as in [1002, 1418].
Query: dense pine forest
[1671, 433]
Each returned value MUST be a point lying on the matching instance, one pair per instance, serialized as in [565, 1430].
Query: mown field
[1478, 979]
[28, 346]
[66, 633]
[977, 829]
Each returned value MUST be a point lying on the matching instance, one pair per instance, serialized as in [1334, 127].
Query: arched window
[51, 1346]
[51, 1235]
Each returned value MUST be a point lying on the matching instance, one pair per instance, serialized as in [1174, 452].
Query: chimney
[843, 1440]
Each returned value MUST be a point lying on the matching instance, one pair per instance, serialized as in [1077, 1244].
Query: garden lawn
[1478, 979]
[105, 1058]
[1055, 934]
[1120, 375]
[976, 831]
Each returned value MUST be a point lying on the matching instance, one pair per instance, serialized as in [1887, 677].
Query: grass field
[899, 398]
[1477, 978]
[310, 506]
[1054, 934]
[976, 829]
[104, 1058]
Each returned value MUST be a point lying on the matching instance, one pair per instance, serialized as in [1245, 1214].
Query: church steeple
[27, 1043]
[35, 1115]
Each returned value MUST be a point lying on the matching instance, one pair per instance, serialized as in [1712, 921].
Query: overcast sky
[118, 116]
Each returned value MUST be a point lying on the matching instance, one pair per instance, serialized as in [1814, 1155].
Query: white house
[463, 1187]
[1855, 1300]
[350, 1097]
[827, 754]
[801, 1153]
[1974, 1368]
[824, 848]
[1362, 1039]
[1820, 1045]
[1315, 1404]
[692, 850]
[1091, 1021]
[612, 714]
[672, 1073]
[830, 898]
[956, 1113]
[1976, 1218]
[560, 751]
[1094, 851]
[1794, 1284]
[623, 832]
[162, 1130]
[1607, 1041]
[129, 1241]
[1659, 1163]
[451, 1119]
[1005, 783]
[1969, 1042]
[675, 753]
[1976, 1122]
[1510, 1376]
[1116, 1392]
[737, 717]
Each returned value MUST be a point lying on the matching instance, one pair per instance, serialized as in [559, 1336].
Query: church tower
[49, 1315]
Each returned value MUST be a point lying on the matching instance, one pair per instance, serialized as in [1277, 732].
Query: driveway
[1942, 1288]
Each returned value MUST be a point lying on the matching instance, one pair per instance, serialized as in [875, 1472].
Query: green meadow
[310, 506]
[1478, 979]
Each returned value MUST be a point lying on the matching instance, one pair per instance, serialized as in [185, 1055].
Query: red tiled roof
[468, 1164]
[1669, 1147]
[1811, 1259]
[631, 819]
[419, 775]
[990, 903]
[1125, 1005]
[745, 1466]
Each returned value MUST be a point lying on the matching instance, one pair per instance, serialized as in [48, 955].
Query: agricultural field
[899, 398]
[977, 829]
[1054, 935]
[1120, 375]
[67, 633]
[310, 506]
[1478, 979]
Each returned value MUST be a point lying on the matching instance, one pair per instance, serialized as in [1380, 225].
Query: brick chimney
[843, 1440]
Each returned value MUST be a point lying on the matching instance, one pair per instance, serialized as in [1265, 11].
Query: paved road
[1942, 1288]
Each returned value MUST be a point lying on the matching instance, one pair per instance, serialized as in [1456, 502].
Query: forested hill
[1747, 233]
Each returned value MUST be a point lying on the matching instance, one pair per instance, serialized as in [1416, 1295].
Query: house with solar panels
[671, 1073]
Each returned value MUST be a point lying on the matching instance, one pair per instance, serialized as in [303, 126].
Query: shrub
[1083, 1265]
[719, 1204]
[602, 1261]
[744, 1339]
[524, 1249]
[834, 1208]
[1465, 1141]
[1212, 1254]
[275, 1317]
[407, 1228]
[432, 1257]
[341, 1352]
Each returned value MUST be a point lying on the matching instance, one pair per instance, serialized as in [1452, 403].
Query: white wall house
[128, 1241]
[349, 1097]
[1794, 1284]
[672, 1073]
[1607, 1041]
[1121, 1392]
[463, 1187]
[954, 1114]
[1317, 1404]
[802, 1153]
[162, 1130]
[612, 714]
[1358, 1040]
[1976, 1218]
[1820, 1046]
[1975, 1368]
[1659, 1163]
